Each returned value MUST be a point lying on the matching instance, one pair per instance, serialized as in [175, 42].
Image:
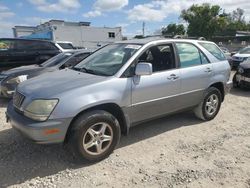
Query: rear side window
[214, 50]
[33, 45]
[189, 55]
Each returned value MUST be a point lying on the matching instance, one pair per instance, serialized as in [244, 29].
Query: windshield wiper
[90, 71]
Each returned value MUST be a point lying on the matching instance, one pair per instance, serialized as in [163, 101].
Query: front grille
[18, 99]
[246, 73]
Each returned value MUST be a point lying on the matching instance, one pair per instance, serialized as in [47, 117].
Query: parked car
[11, 78]
[65, 45]
[242, 76]
[239, 57]
[18, 52]
[119, 86]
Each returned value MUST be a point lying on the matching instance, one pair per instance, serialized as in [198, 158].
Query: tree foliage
[203, 20]
[174, 29]
[209, 20]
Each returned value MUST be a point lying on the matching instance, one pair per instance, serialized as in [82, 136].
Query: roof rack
[174, 37]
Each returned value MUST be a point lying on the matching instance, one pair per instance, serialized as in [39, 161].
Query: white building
[81, 34]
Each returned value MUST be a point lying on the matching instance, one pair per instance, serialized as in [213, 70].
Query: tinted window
[56, 60]
[74, 60]
[189, 55]
[45, 46]
[161, 57]
[214, 50]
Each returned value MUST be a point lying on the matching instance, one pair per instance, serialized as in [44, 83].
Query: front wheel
[94, 135]
[210, 106]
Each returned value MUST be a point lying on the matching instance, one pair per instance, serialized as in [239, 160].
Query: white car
[241, 56]
[64, 46]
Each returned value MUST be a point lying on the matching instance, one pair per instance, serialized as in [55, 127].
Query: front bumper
[47, 132]
[6, 91]
[228, 86]
[243, 81]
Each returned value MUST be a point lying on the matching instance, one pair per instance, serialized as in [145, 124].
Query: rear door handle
[208, 70]
[173, 77]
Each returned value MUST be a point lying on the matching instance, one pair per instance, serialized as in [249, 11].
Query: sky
[128, 14]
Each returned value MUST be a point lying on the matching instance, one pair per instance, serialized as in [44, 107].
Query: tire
[86, 132]
[202, 110]
[235, 83]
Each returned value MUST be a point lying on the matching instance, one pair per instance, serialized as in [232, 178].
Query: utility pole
[143, 29]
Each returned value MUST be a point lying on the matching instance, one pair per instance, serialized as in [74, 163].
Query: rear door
[196, 73]
[6, 48]
[45, 50]
[23, 52]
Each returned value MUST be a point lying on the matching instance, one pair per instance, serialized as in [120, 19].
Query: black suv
[18, 52]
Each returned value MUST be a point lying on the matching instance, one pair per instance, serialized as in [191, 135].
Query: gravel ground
[178, 151]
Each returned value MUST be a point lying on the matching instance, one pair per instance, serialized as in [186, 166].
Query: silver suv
[120, 85]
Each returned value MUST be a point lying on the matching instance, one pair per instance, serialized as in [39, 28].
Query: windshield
[245, 50]
[108, 60]
[66, 46]
[56, 60]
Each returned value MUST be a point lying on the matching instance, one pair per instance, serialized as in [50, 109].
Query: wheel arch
[112, 108]
[220, 87]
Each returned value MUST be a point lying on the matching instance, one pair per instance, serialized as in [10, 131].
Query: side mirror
[143, 69]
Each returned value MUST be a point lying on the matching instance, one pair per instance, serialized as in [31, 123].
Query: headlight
[17, 79]
[241, 70]
[40, 110]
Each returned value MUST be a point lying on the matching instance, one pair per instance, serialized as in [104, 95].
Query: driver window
[161, 57]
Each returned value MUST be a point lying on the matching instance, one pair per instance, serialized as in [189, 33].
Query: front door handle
[173, 77]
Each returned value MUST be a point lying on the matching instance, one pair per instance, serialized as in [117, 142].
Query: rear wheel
[94, 136]
[210, 106]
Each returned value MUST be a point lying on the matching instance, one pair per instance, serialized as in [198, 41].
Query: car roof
[64, 42]
[77, 51]
[23, 39]
[156, 39]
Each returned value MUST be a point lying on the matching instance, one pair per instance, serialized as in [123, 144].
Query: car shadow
[21, 160]
[240, 92]
[4, 102]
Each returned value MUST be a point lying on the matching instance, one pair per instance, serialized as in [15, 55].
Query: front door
[154, 95]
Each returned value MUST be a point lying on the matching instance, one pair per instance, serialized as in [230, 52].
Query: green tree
[204, 20]
[235, 21]
[174, 29]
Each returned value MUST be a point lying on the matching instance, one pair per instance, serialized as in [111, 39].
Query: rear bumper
[48, 132]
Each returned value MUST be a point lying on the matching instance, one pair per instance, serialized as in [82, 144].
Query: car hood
[53, 84]
[22, 70]
[245, 65]
[241, 55]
